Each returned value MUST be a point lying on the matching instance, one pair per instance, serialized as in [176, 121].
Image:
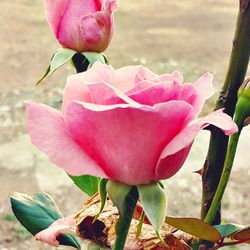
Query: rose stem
[80, 62]
[231, 151]
[124, 222]
[235, 76]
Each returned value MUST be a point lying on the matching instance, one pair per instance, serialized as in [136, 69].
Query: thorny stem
[231, 151]
[235, 76]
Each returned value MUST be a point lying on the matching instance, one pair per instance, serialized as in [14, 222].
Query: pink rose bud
[81, 25]
[129, 125]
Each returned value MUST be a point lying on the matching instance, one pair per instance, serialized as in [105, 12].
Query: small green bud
[242, 111]
[245, 88]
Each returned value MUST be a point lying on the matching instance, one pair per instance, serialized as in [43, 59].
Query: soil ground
[191, 36]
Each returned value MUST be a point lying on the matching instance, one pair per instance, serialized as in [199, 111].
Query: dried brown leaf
[102, 231]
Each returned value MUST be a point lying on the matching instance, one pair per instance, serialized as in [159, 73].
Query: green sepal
[118, 192]
[93, 57]
[154, 203]
[103, 195]
[88, 184]
[37, 212]
[60, 57]
[125, 199]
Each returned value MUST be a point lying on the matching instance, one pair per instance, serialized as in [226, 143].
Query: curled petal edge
[188, 134]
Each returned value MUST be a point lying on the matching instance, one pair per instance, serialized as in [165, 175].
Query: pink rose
[81, 25]
[129, 125]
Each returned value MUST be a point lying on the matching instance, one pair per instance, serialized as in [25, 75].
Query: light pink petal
[55, 10]
[104, 94]
[96, 31]
[75, 89]
[146, 78]
[146, 74]
[204, 91]
[177, 150]
[171, 164]
[123, 78]
[187, 135]
[48, 132]
[165, 92]
[175, 76]
[68, 31]
[61, 226]
[153, 79]
[205, 86]
[110, 6]
[126, 141]
[140, 86]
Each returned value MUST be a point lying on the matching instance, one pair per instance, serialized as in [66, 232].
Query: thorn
[200, 171]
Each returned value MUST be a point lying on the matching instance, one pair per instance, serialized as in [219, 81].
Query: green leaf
[154, 203]
[60, 57]
[37, 212]
[226, 229]
[242, 234]
[195, 227]
[88, 184]
[93, 57]
[118, 192]
[103, 195]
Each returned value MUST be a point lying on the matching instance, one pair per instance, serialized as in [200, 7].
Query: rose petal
[175, 153]
[104, 94]
[75, 90]
[171, 164]
[146, 78]
[123, 78]
[146, 74]
[61, 226]
[68, 29]
[123, 139]
[110, 6]
[205, 90]
[187, 135]
[205, 86]
[175, 76]
[48, 132]
[97, 28]
[140, 86]
[165, 92]
[54, 11]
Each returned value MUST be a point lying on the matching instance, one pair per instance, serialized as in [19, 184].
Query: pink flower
[129, 125]
[81, 25]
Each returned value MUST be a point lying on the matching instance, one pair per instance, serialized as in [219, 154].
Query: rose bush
[81, 25]
[129, 125]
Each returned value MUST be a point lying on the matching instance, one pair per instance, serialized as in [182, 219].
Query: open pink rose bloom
[81, 25]
[128, 125]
